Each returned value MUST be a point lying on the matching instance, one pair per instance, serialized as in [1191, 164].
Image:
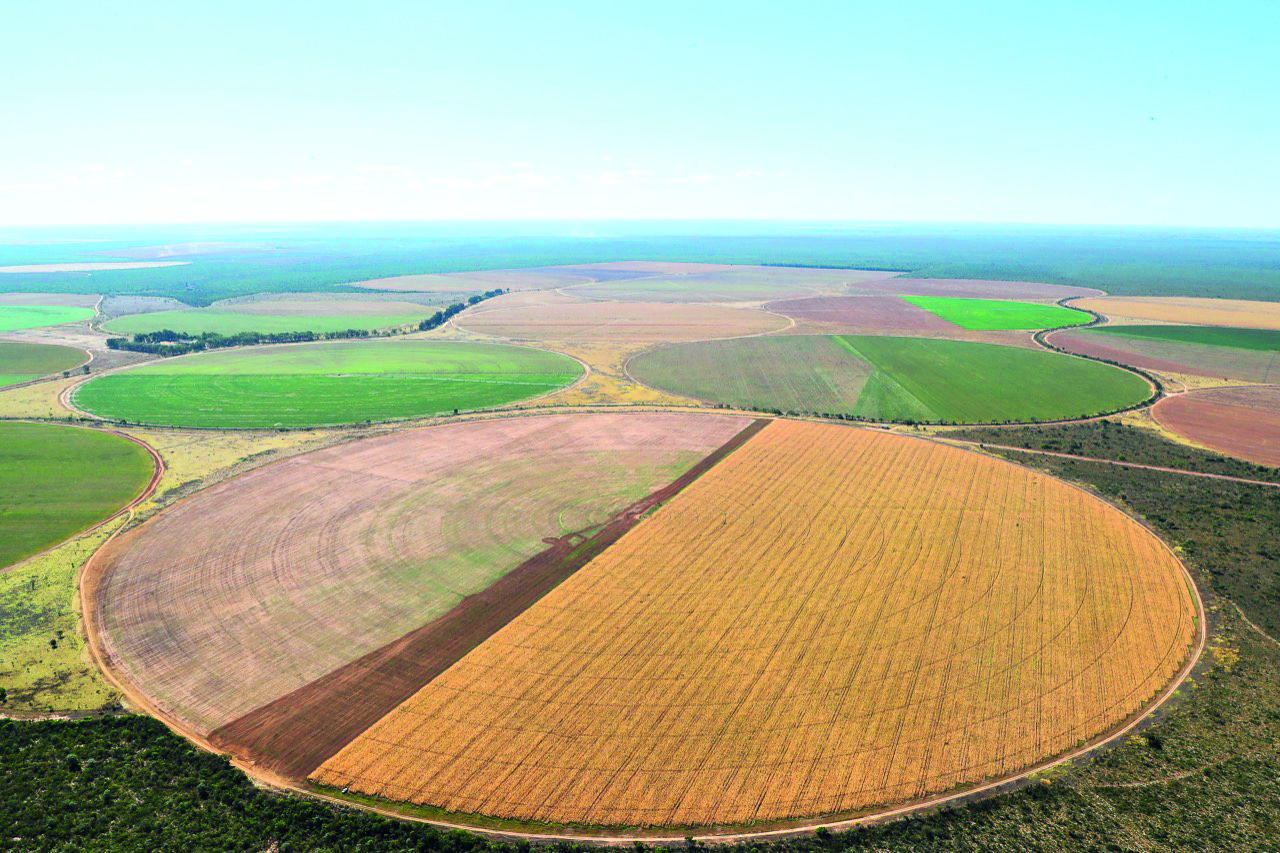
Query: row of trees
[439, 318]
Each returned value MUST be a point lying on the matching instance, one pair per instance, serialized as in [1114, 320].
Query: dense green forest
[1226, 263]
[1205, 776]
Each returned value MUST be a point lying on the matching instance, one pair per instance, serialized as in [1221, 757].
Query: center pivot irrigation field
[829, 620]
[20, 362]
[889, 378]
[56, 480]
[1248, 354]
[328, 383]
[994, 314]
[13, 317]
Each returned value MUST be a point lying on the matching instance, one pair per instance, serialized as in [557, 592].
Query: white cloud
[311, 180]
[368, 170]
[748, 173]
[264, 184]
[524, 179]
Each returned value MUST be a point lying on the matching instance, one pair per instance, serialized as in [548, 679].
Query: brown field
[1185, 309]
[523, 299]
[970, 287]
[319, 307]
[748, 285]
[862, 315]
[1174, 357]
[1243, 422]
[621, 321]
[79, 300]
[830, 619]
[541, 279]
[255, 587]
[294, 734]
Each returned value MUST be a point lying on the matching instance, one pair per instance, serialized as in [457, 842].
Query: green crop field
[1265, 340]
[992, 314]
[13, 317]
[223, 322]
[21, 362]
[56, 480]
[325, 384]
[890, 378]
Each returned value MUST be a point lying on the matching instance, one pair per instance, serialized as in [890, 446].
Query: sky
[1142, 113]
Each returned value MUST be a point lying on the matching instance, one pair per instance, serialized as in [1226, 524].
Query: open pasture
[256, 587]
[325, 384]
[621, 321]
[15, 317]
[830, 620]
[1242, 313]
[1234, 354]
[22, 362]
[275, 315]
[998, 314]
[1242, 422]
[889, 378]
[57, 480]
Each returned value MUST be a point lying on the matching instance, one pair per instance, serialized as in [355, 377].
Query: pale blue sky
[1074, 112]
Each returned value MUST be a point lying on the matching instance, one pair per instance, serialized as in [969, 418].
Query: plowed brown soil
[265, 583]
[830, 619]
[296, 733]
[971, 287]
[862, 315]
[621, 321]
[1242, 422]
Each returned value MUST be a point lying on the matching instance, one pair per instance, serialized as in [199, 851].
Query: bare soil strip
[293, 735]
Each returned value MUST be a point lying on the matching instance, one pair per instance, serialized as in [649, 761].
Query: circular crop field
[632, 622]
[13, 317]
[890, 378]
[22, 362]
[325, 384]
[57, 480]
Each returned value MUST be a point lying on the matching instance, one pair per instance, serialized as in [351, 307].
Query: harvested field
[1246, 356]
[976, 288]
[542, 279]
[829, 620]
[296, 733]
[1184, 309]
[889, 378]
[1242, 422]
[78, 300]
[730, 284]
[621, 321]
[522, 299]
[259, 586]
[861, 315]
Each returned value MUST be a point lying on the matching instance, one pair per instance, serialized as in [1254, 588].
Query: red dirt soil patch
[1242, 422]
[862, 314]
[296, 733]
[621, 321]
[260, 585]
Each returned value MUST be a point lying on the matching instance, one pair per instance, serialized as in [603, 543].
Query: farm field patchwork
[14, 317]
[991, 314]
[889, 378]
[968, 288]
[21, 362]
[1242, 422]
[56, 480]
[268, 316]
[1234, 354]
[621, 321]
[325, 383]
[829, 620]
[854, 314]
[729, 284]
[257, 586]
[1181, 309]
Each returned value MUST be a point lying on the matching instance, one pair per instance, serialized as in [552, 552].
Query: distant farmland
[993, 314]
[14, 317]
[829, 620]
[327, 383]
[889, 378]
[275, 316]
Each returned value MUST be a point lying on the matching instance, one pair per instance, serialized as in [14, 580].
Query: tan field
[622, 321]
[829, 620]
[1185, 309]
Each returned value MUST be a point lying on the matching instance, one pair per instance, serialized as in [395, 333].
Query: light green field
[326, 384]
[13, 317]
[56, 480]
[998, 314]
[890, 378]
[22, 362]
[195, 321]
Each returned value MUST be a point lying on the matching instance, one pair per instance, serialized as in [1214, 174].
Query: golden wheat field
[829, 620]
